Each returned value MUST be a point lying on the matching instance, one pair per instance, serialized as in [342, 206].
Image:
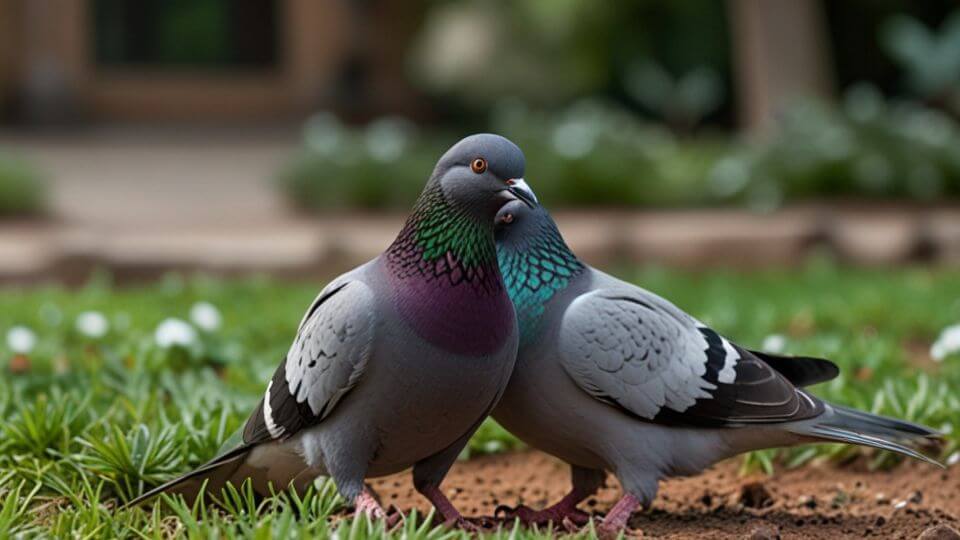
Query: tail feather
[215, 474]
[841, 424]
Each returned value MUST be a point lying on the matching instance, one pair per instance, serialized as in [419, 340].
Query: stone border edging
[689, 238]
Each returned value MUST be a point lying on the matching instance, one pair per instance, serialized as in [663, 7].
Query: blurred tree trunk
[781, 52]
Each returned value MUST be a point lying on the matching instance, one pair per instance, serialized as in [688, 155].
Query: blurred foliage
[597, 154]
[866, 148]
[682, 102]
[591, 154]
[22, 187]
[551, 52]
[930, 58]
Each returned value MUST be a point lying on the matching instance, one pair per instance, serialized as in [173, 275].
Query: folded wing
[635, 350]
[327, 358]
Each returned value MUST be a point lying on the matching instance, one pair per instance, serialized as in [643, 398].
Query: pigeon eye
[478, 165]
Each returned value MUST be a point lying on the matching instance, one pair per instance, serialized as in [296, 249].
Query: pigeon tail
[214, 475]
[842, 424]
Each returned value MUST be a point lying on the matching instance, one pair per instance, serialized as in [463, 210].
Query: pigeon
[397, 362]
[611, 377]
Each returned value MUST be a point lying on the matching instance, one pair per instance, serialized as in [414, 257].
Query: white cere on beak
[521, 184]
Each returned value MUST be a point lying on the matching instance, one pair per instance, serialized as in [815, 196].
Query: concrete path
[163, 178]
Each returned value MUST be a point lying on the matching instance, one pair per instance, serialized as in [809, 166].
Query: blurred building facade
[175, 60]
[682, 62]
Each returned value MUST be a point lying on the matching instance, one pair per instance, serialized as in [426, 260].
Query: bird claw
[528, 516]
[571, 527]
[607, 532]
[459, 522]
[394, 517]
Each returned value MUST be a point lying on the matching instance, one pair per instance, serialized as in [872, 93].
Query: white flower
[948, 343]
[493, 446]
[172, 332]
[21, 339]
[206, 316]
[92, 324]
[774, 343]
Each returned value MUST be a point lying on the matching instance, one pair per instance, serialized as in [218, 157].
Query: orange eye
[478, 165]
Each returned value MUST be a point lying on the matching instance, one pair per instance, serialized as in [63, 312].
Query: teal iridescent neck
[534, 269]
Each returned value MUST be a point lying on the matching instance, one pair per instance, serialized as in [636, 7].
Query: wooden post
[780, 54]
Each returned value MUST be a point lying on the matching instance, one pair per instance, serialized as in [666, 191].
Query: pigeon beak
[519, 189]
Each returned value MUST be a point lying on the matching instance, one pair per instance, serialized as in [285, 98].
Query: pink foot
[367, 505]
[557, 514]
[615, 523]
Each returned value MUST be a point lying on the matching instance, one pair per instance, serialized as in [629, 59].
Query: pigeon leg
[616, 520]
[451, 516]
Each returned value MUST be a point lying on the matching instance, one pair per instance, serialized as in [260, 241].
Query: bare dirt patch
[816, 501]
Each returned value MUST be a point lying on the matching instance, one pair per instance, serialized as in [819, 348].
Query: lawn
[109, 396]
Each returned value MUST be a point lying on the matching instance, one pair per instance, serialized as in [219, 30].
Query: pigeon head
[519, 226]
[451, 227]
[480, 174]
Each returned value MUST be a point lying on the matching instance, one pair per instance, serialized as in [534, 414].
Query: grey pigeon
[397, 362]
[611, 377]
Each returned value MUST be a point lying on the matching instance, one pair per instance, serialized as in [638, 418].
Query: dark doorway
[176, 34]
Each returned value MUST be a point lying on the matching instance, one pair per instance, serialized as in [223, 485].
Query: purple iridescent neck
[445, 279]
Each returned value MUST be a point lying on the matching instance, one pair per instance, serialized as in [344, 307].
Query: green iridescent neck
[535, 269]
[439, 238]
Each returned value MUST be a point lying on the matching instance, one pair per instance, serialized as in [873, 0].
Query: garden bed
[818, 501]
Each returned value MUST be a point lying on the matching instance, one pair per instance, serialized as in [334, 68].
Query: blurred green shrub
[680, 101]
[549, 53]
[593, 154]
[22, 189]
[864, 149]
[590, 155]
[930, 58]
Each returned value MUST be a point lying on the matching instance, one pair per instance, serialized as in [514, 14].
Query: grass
[90, 420]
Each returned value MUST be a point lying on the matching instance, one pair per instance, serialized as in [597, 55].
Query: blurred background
[291, 135]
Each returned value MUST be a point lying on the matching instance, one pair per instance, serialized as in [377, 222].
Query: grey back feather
[619, 346]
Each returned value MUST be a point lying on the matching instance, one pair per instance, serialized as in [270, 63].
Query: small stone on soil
[940, 532]
[764, 532]
[755, 495]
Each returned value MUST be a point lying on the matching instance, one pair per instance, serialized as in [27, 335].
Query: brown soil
[817, 501]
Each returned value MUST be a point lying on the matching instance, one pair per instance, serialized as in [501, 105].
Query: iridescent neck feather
[534, 269]
[440, 240]
[445, 279]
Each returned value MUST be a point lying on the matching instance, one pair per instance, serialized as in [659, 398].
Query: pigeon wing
[635, 350]
[325, 361]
